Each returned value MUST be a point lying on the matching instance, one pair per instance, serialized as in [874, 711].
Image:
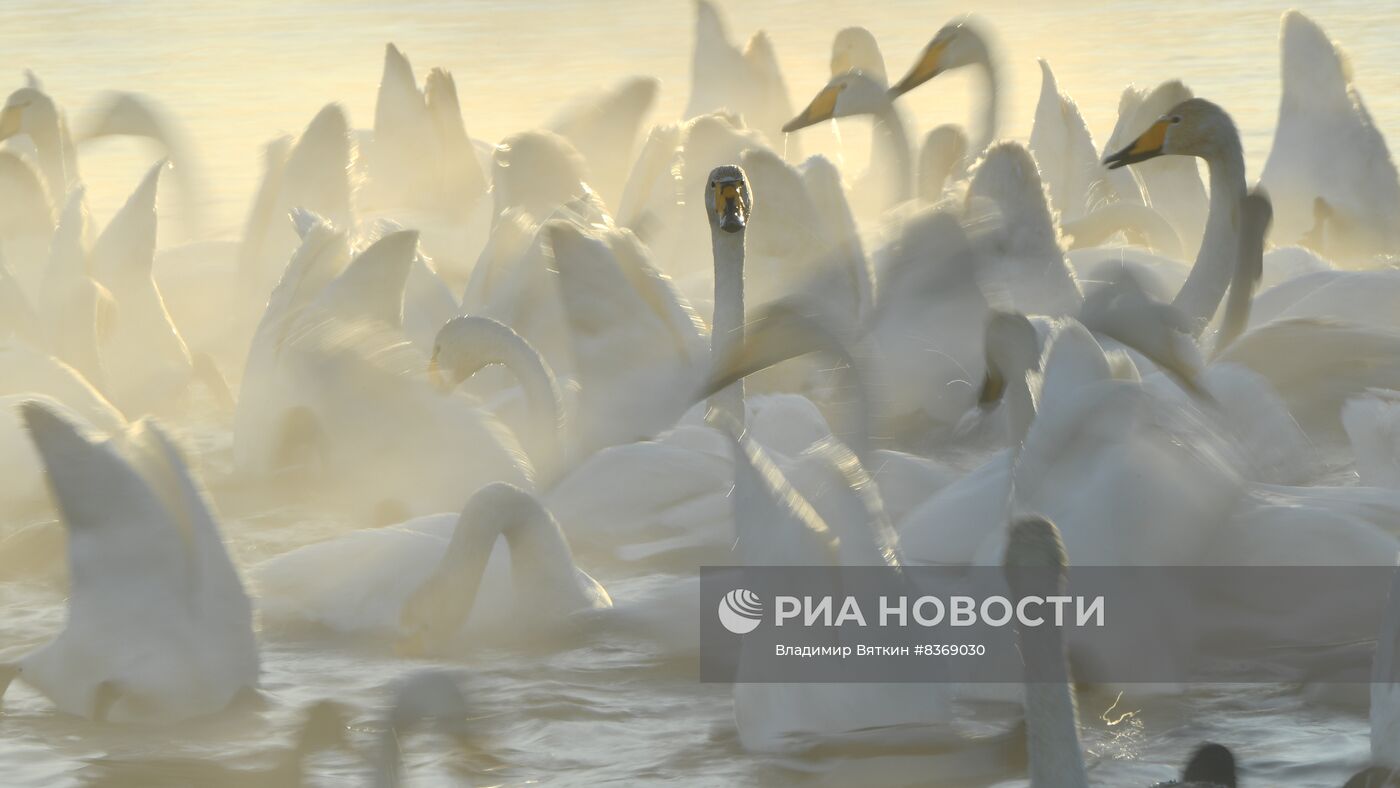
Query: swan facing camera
[741, 611]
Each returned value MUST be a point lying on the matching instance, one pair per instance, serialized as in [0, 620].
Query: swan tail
[1372, 424]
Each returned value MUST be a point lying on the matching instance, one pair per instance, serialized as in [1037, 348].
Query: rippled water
[236, 74]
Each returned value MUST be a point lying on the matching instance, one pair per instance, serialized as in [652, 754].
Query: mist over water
[237, 74]
[234, 75]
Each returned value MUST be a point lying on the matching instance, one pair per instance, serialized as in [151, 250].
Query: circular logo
[741, 611]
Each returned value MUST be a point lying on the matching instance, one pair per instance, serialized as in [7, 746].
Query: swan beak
[927, 68]
[436, 377]
[9, 121]
[823, 107]
[730, 206]
[993, 387]
[1148, 145]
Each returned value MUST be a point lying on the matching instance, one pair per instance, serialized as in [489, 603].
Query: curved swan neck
[1203, 290]
[543, 401]
[891, 136]
[485, 342]
[727, 325]
[539, 554]
[1052, 721]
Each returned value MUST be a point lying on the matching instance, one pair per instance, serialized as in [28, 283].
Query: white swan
[959, 44]
[158, 624]
[747, 82]
[147, 363]
[1035, 565]
[1197, 127]
[136, 115]
[1023, 266]
[418, 582]
[30, 111]
[892, 161]
[1355, 179]
[855, 48]
[605, 127]
[311, 174]
[1170, 186]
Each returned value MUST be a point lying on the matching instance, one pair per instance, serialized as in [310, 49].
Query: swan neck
[990, 104]
[892, 136]
[543, 401]
[1204, 288]
[1052, 721]
[727, 325]
[388, 759]
[1020, 408]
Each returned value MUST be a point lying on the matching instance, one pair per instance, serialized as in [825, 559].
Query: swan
[136, 115]
[1385, 707]
[1199, 128]
[855, 48]
[1056, 759]
[857, 93]
[1064, 149]
[1355, 182]
[159, 627]
[1170, 186]
[466, 344]
[311, 174]
[148, 365]
[30, 111]
[604, 129]
[776, 526]
[1024, 266]
[76, 313]
[418, 582]
[747, 82]
[959, 44]
[344, 358]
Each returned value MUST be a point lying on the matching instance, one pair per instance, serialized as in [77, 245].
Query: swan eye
[1176, 119]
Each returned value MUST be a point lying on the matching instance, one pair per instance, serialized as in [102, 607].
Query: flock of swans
[515, 375]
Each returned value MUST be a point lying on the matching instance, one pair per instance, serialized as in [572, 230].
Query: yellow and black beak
[993, 387]
[435, 376]
[928, 67]
[1148, 145]
[10, 121]
[731, 207]
[823, 107]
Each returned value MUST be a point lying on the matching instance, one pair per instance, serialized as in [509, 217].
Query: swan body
[419, 581]
[1321, 110]
[159, 627]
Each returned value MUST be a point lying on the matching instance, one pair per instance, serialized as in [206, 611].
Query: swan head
[12, 115]
[855, 48]
[1012, 348]
[852, 93]
[1035, 560]
[728, 198]
[956, 45]
[1211, 765]
[1195, 127]
[463, 346]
